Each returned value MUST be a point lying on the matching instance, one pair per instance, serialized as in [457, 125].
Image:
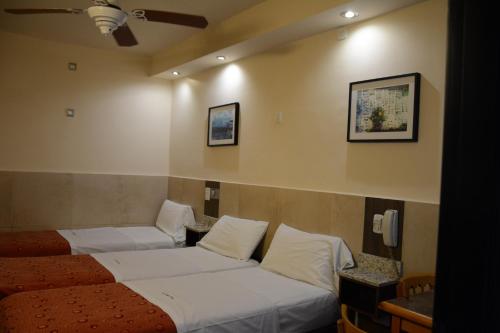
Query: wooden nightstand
[194, 233]
[364, 295]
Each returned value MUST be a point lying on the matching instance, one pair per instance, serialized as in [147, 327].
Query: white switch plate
[70, 113]
[377, 223]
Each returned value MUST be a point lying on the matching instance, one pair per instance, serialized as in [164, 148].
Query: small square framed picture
[223, 123]
[384, 109]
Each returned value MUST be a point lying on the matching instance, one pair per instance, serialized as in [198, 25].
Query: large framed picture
[223, 125]
[384, 109]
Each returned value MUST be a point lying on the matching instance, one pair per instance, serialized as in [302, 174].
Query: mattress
[150, 264]
[244, 300]
[108, 239]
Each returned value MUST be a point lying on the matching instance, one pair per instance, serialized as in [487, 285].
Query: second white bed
[150, 264]
[244, 300]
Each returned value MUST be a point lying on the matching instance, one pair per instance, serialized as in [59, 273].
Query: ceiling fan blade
[124, 36]
[171, 17]
[23, 11]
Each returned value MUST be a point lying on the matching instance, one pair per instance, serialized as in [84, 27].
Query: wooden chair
[414, 285]
[344, 325]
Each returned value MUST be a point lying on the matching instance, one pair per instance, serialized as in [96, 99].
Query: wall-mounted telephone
[390, 228]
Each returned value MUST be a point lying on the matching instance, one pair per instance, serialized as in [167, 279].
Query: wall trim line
[310, 190]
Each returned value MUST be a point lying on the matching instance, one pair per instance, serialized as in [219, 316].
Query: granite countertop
[199, 227]
[373, 270]
[372, 278]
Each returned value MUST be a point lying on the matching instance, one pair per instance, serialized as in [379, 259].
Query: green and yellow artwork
[382, 109]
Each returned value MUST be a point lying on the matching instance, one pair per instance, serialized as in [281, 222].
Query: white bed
[168, 232]
[109, 239]
[243, 300]
[151, 264]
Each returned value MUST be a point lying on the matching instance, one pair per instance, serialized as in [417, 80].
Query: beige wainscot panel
[229, 201]
[142, 198]
[420, 238]
[190, 192]
[117, 200]
[175, 189]
[96, 200]
[305, 210]
[348, 220]
[41, 200]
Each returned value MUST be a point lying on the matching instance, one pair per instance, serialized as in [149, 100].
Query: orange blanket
[105, 308]
[33, 244]
[37, 273]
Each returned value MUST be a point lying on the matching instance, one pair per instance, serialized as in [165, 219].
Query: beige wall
[308, 81]
[122, 115]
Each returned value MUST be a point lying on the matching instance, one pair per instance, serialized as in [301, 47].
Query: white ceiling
[327, 20]
[80, 30]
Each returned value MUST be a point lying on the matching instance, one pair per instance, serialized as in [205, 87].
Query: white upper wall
[122, 116]
[309, 81]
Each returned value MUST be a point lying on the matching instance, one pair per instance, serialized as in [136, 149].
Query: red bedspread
[33, 244]
[37, 273]
[106, 308]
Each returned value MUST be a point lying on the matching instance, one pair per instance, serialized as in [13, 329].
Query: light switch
[70, 113]
[279, 118]
[377, 223]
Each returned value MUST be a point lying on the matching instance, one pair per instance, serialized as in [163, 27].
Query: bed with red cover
[33, 244]
[36, 273]
[106, 308]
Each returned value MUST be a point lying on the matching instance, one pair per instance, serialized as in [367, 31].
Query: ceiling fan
[111, 19]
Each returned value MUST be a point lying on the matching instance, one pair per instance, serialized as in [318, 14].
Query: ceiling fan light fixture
[107, 19]
[176, 73]
[221, 58]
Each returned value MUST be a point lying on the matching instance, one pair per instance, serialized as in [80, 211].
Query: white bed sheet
[108, 239]
[151, 264]
[148, 238]
[244, 300]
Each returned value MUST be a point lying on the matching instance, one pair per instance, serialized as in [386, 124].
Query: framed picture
[223, 125]
[384, 109]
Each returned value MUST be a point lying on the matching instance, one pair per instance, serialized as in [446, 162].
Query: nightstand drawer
[194, 235]
[363, 297]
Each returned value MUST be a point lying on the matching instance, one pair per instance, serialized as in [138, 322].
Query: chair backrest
[344, 325]
[414, 285]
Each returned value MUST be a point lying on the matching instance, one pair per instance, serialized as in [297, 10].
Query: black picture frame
[224, 132]
[362, 131]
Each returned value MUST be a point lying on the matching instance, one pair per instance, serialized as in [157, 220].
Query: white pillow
[342, 256]
[172, 219]
[301, 256]
[234, 237]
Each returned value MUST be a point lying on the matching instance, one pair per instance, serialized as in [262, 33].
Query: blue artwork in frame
[223, 123]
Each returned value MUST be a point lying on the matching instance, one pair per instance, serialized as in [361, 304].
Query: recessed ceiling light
[176, 73]
[221, 57]
[349, 14]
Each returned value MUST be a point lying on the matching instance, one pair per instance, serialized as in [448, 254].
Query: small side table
[412, 315]
[363, 291]
[195, 233]
[362, 288]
